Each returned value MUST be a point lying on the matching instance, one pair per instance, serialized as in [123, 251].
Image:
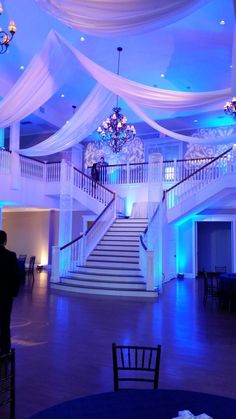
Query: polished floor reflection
[63, 342]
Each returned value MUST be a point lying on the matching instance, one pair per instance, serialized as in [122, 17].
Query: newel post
[15, 157]
[150, 271]
[55, 273]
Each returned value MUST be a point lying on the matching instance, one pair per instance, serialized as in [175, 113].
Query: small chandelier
[230, 107]
[114, 131]
[6, 37]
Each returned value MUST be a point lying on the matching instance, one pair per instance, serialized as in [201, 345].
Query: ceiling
[194, 54]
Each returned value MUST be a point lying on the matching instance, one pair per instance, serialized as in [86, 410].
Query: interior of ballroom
[59, 82]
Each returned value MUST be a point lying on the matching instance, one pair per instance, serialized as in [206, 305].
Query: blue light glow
[8, 203]
[128, 206]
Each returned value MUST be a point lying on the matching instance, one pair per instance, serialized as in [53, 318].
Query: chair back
[220, 269]
[7, 383]
[22, 258]
[136, 363]
[31, 263]
[211, 287]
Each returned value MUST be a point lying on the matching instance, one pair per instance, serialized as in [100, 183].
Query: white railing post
[55, 273]
[150, 271]
[155, 183]
[128, 173]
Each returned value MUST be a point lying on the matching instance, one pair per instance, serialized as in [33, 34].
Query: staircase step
[113, 258]
[121, 227]
[134, 245]
[120, 252]
[110, 271]
[114, 239]
[113, 266]
[131, 220]
[122, 234]
[109, 292]
[106, 277]
[104, 284]
[97, 263]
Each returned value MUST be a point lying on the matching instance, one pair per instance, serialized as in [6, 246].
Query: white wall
[32, 233]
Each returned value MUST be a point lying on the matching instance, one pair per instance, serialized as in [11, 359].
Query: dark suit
[9, 288]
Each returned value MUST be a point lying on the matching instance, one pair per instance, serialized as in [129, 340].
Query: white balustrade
[215, 169]
[71, 256]
[53, 172]
[5, 161]
[99, 228]
[94, 189]
[30, 168]
[172, 171]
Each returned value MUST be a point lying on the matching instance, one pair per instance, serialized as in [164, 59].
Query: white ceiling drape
[42, 78]
[122, 17]
[93, 110]
[46, 73]
[177, 136]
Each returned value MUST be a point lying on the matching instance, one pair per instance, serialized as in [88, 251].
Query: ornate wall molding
[130, 153]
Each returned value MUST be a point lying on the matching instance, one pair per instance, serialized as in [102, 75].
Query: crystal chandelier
[230, 107]
[6, 37]
[115, 131]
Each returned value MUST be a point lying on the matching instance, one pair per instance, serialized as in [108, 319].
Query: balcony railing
[136, 173]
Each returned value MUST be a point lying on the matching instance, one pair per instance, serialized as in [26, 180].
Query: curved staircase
[113, 266]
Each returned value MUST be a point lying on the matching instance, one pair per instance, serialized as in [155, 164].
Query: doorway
[213, 245]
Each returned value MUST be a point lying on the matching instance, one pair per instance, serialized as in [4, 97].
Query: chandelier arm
[114, 131]
[6, 37]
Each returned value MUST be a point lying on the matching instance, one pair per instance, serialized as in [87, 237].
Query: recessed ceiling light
[67, 122]
[62, 95]
[222, 22]
[195, 120]
[82, 38]
[162, 75]
[22, 67]
[231, 66]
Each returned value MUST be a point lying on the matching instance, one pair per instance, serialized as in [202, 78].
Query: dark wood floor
[63, 342]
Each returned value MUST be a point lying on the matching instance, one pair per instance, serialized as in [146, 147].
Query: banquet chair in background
[220, 269]
[7, 384]
[211, 287]
[30, 269]
[136, 363]
[22, 258]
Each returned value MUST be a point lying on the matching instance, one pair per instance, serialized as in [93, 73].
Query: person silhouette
[102, 166]
[9, 288]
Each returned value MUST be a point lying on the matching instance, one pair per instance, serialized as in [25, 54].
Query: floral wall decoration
[132, 152]
[196, 151]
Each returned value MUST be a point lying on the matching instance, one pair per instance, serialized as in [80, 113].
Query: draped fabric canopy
[45, 75]
[123, 17]
[84, 121]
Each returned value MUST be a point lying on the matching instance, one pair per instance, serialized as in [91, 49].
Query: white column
[2, 142]
[14, 146]
[155, 163]
[55, 276]
[66, 203]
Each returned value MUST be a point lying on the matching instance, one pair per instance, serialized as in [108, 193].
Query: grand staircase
[113, 266]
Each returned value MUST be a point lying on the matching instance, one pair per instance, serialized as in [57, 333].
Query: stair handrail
[200, 169]
[147, 245]
[90, 178]
[77, 250]
[187, 186]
